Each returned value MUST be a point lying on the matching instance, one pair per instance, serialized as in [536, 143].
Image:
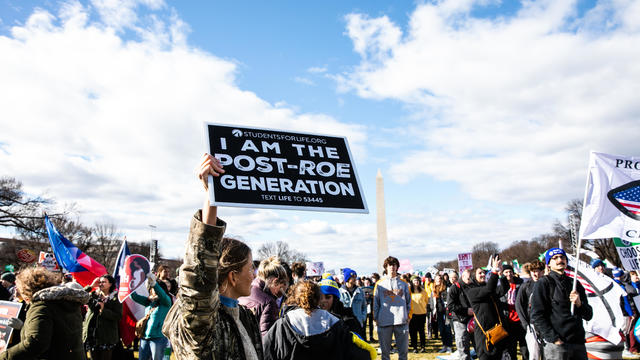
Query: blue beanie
[329, 287]
[553, 252]
[617, 272]
[348, 273]
[596, 262]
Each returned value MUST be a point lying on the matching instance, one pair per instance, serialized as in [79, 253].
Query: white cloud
[115, 124]
[313, 227]
[510, 106]
[303, 80]
[317, 69]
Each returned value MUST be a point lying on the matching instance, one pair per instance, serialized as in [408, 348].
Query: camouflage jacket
[197, 325]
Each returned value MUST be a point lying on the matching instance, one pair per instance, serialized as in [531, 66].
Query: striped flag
[83, 268]
[627, 199]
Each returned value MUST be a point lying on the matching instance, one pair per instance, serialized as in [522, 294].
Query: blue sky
[480, 114]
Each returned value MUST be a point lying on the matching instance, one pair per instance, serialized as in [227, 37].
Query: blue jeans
[152, 348]
[444, 329]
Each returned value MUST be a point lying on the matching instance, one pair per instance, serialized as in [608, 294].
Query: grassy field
[432, 347]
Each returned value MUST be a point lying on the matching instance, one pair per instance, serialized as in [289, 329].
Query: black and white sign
[276, 169]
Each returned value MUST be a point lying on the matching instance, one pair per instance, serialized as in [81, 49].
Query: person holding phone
[484, 299]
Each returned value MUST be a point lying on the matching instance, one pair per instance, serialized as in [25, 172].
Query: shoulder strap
[497, 313]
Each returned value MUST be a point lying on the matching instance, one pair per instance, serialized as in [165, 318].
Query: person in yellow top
[428, 287]
[419, 302]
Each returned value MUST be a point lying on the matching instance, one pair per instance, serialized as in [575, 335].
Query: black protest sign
[283, 170]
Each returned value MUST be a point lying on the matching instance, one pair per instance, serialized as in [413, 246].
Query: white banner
[315, 268]
[603, 294]
[612, 198]
[464, 262]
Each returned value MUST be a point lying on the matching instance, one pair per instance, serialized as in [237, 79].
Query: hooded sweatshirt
[391, 302]
[320, 335]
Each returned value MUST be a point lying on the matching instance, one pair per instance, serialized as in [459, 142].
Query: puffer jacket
[262, 303]
[101, 327]
[197, 325]
[53, 327]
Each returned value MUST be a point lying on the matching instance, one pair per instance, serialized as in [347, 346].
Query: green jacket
[53, 327]
[160, 309]
[102, 327]
[197, 325]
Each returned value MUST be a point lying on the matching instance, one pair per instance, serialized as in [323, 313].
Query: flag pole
[577, 243]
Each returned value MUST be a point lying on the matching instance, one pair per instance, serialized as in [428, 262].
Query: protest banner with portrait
[284, 170]
[8, 310]
[132, 275]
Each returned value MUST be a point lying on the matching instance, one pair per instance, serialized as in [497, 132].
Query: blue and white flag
[122, 254]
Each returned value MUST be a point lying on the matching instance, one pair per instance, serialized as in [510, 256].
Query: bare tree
[70, 227]
[106, 243]
[451, 264]
[524, 251]
[481, 252]
[282, 250]
[17, 209]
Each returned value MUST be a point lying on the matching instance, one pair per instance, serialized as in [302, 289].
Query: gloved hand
[15, 323]
[151, 277]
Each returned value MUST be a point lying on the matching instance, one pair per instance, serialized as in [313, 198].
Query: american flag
[630, 199]
[585, 284]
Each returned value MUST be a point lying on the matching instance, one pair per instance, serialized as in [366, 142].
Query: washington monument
[383, 248]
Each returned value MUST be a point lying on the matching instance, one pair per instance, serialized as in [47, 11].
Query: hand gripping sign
[283, 170]
[132, 275]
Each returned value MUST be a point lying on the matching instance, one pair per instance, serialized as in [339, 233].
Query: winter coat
[298, 336]
[5, 294]
[160, 308]
[510, 312]
[482, 298]
[53, 327]
[346, 315]
[458, 304]
[523, 302]
[440, 302]
[197, 325]
[355, 302]
[631, 293]
[101, 327]
[262, 303]
[551, 309]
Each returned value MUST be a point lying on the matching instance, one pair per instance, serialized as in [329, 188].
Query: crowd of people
[226, 306]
